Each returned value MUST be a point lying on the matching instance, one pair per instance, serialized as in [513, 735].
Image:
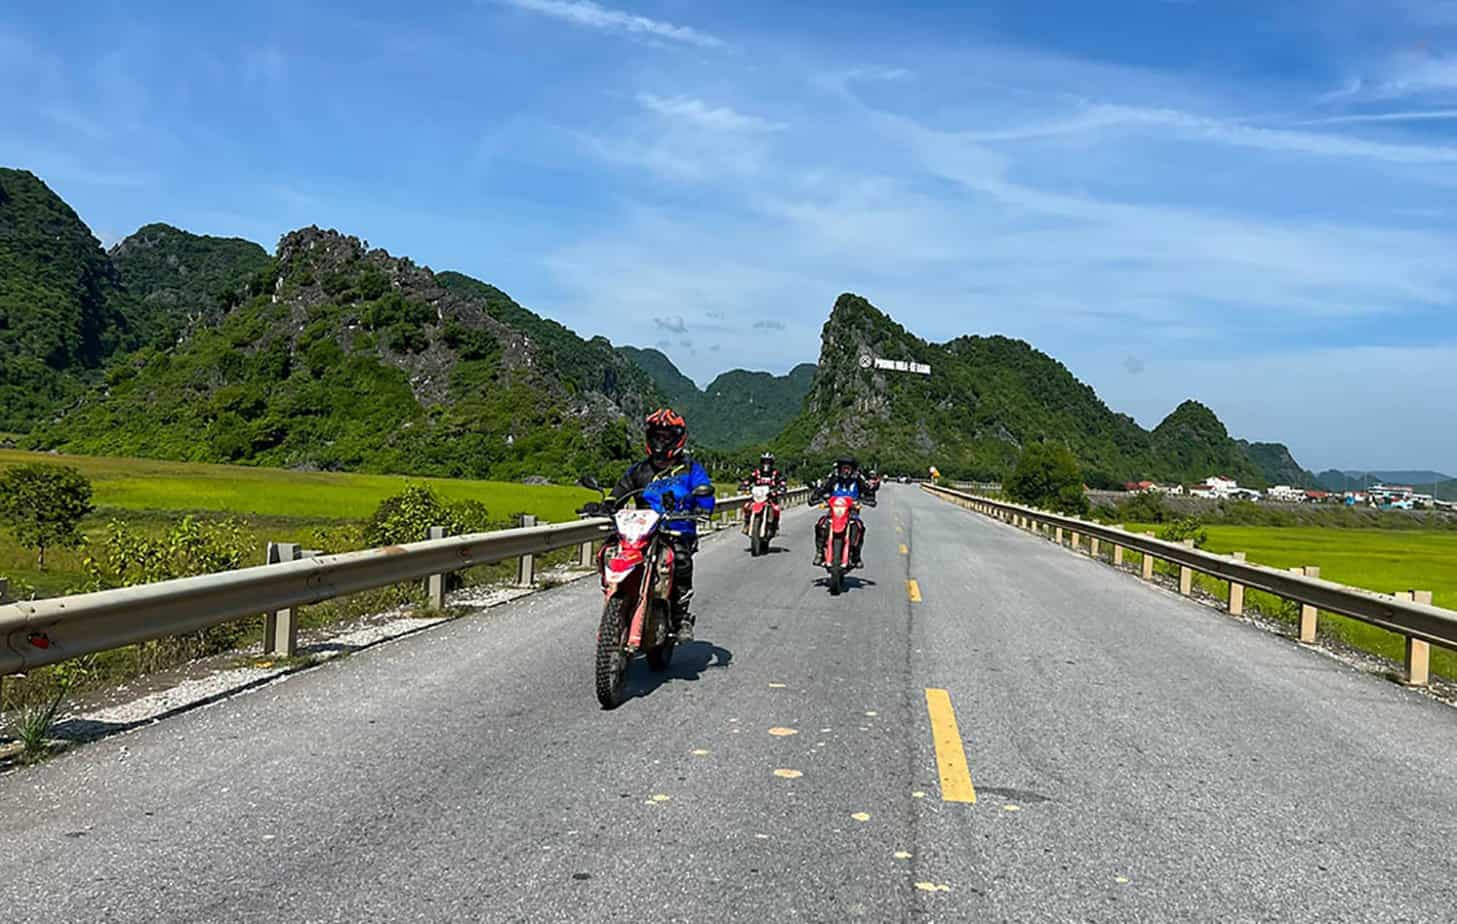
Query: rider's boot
[683, 623]
[682, 616]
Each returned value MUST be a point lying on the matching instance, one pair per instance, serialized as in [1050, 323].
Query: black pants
[683, 549]
[857, 536]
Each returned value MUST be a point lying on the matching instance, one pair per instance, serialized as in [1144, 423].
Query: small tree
[1047, 476]
[43, 505]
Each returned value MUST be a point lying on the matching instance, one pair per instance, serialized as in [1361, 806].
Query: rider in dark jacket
[844, 479]
[671, 482]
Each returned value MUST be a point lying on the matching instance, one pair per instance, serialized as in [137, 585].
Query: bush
[1186, 528]
[408, 516]
[127, 557]
[1047, 476]
[43, 505]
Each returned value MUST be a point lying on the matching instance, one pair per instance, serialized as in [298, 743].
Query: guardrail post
[1307, 612]
[585, 557]
[1117, 555]
[1237, 592]
[1186, 574]
[1093, 547]
[1418, 651]
[1058, 536]
[1077, 542]
[280, 628]
[526, 566]
[435, 583]
[1147, 567]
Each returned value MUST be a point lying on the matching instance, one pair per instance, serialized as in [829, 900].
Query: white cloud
[1421, 115]
[697, 112]
[1103, 116]
[588, 14]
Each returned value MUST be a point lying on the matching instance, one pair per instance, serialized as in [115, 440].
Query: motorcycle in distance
[761, 519]
[637, 585]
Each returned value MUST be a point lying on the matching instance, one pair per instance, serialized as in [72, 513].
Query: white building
[1215, 486]
[1286, 494]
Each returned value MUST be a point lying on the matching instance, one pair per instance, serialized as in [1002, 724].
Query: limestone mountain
[63, 312]
[1191, 444]
[985, 399]
[342, 357]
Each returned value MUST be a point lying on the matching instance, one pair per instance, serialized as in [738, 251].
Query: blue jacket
[668, 491]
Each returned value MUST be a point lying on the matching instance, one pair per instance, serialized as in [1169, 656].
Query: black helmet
[846, 467]
[766, 460]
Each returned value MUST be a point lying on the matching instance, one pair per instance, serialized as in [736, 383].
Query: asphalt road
[1134, 756]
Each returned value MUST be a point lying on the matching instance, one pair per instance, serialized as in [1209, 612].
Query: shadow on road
[689, 663]
[851, 582]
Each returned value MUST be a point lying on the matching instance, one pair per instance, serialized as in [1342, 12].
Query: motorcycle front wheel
[837, 566]
[611, 661]
[660, 655]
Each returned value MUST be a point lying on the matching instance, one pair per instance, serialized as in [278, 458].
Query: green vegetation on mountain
[61, 304]
[345, 359]
[738, 409]
[175, 277]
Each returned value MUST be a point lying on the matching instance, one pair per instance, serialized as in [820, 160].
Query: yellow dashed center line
[904, 550]
[913, 590]
[950, 755]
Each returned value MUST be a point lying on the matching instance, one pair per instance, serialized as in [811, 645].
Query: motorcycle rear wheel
[611, 661]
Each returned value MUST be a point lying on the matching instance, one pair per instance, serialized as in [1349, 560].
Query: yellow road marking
[913, 590]
[904, 550]
[950, 755]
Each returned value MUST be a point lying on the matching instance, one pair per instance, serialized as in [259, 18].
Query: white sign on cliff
[899, 365]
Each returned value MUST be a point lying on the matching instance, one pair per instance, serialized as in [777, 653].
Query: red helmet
[666, 433]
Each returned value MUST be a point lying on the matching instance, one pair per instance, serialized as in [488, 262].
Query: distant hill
[737, 409]
[1277, 465]
[1337, 480]
[177, 278]
[985, 399]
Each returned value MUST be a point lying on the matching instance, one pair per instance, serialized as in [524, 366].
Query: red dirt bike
[637, 586]
[838, 544]
[761, 518]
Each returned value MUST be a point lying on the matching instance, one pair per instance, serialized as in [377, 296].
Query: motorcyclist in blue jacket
[670, 482]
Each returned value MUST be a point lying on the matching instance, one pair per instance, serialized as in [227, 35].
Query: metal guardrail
[40, 632]
[1409, 614]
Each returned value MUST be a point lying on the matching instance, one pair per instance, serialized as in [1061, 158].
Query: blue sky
[1252, 204]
